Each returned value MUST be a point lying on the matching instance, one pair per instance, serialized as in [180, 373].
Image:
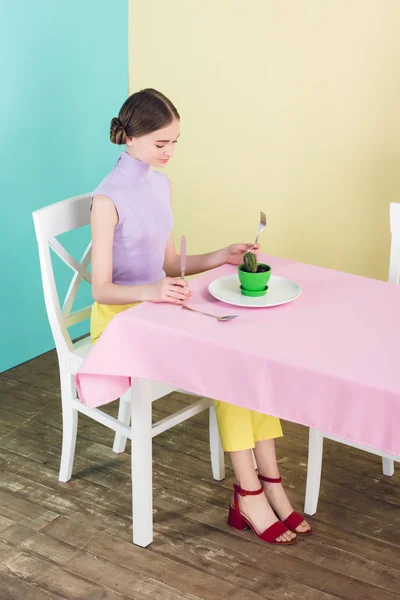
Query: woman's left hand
[234, 253]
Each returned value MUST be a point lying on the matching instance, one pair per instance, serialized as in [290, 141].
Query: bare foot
[261, 515]
[278, 499]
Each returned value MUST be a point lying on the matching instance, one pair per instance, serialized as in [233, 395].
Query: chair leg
[217, 454]
[388, 466]
[124, 415]
[141, 458]
[70, 426]
[314, 468]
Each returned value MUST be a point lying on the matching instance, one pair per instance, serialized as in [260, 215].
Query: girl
[134, 260]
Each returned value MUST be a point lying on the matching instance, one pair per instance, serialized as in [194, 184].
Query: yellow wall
[291, 107]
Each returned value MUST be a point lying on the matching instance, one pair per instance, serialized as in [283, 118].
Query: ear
[129, 142]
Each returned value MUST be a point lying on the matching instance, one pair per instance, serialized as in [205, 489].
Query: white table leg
[141, 458]
[314, 468]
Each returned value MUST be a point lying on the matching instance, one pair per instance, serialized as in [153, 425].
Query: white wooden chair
[135, 407]
[316, 437]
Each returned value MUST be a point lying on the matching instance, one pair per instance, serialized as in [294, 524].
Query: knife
[183, 257]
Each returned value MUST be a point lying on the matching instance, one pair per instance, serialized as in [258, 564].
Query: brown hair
[142, 113]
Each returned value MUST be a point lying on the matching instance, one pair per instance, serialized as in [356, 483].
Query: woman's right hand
[174, 290]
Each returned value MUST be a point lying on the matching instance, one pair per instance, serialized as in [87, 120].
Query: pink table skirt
[329, 359]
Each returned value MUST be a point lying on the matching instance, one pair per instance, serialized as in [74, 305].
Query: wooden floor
[73, 540]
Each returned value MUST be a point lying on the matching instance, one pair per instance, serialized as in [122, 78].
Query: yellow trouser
[239, 428]
[101, 315]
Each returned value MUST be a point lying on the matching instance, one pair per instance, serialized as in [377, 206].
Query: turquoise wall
[64, 75]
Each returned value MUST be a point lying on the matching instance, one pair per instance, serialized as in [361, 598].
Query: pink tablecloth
[329, 360]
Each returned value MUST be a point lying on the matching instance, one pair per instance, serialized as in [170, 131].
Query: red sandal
[237, 520]
[294, 519]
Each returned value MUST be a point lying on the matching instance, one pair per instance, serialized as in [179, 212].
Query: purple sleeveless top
[142, 199]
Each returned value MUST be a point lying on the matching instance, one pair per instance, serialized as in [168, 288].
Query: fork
[224, 318]
[262, 226]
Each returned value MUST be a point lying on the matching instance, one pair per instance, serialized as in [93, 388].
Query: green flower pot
[254, 284]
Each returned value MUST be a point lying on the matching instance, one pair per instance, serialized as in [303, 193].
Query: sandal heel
[235, 520]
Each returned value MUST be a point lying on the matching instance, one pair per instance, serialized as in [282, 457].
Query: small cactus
[250, 262]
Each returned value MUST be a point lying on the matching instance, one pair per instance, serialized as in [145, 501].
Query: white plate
[280, 291]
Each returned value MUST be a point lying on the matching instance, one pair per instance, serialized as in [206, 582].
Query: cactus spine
[250, 262]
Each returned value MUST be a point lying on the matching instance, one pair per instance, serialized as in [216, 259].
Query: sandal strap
[238, 491]
[293, 520]
[269, 479]
[243, 492]
[273, 532]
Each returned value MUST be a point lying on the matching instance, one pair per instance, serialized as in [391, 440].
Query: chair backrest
[51, 221]
[394, 268]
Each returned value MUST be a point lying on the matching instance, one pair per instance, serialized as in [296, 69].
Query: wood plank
[137, 560]
[45, 498]
[25, 512]
[13, 588]
[219, 563]
[15, 535]
[207, 550]
[129, 582]
[56, 580]
[322, 550]
[24, 400]
[10, 421]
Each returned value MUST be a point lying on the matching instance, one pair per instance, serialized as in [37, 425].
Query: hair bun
[117, 132]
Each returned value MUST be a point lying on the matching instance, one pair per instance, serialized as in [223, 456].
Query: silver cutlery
[262, 226]
[225, 318]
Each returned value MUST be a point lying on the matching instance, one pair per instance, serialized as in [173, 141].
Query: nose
[169, 150]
